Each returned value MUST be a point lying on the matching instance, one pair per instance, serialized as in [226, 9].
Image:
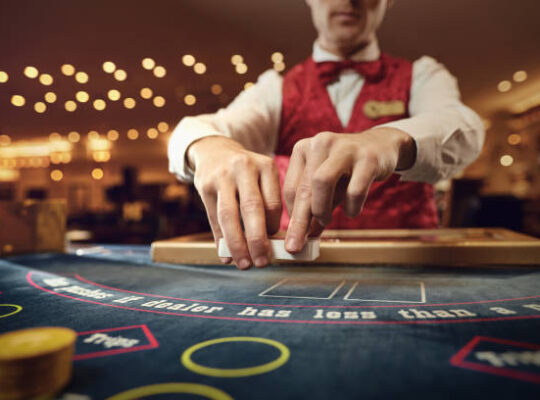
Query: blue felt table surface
[352, 331]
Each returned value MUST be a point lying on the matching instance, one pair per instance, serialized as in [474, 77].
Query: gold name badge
[376, 109]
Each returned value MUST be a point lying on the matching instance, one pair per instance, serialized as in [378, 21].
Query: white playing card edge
[310, 251]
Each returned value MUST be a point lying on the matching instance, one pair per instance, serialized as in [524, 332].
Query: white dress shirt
[448, 134]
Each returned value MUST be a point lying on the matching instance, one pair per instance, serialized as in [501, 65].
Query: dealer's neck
[367, 50]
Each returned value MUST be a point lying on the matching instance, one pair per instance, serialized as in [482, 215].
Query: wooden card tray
[466, 247]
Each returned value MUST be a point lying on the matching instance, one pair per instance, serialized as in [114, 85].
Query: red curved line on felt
[152, 342]
[508, 373]
[78, 277]
[143, 327]
[150, 336]
[106, 353]
[31, 282]
[458, 358]
[120, 328]
[515, 343]
[461, 354]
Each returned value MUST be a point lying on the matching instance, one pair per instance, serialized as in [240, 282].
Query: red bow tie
[330, 70]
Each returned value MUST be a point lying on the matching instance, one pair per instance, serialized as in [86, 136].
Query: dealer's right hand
[241, 193]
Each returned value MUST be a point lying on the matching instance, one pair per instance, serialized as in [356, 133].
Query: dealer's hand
[238, 187]
[332, 168]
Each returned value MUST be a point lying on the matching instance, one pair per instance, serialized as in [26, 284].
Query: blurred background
[90, 91]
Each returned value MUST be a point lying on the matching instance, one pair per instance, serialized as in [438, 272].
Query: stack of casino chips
[35, 362]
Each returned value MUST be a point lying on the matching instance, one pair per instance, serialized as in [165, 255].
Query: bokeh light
[188, 60]
[133, 134]
[190, 100]
[93, 135]
[148, 63]
[216, 89]
[276, 57]
[101, 156]
[70, 105]
[5, 140]
[31, 72]
[199, 68]
[160, 71]
[506, 160]
[146, 93]
[36, 162]
[17, 100]
[65, 158]
[247, 85]
[129, 103]
[81, 77]
[114, 95]
[99, 104]
[159, 101]
[74, 137]
[55, 136]
[40, 107]
[67, 69]
[46, 79]
[163, 126]
[241, 68]
[57, 175]
[3, 77]
[152, 133]
[237, 59]
[279, 67]
[97, 174]
[520, 76]
[514, 139]
[113, 135]
[504, 86]
[82, 96]
[50, 97]
[109, 67]
[120, 75]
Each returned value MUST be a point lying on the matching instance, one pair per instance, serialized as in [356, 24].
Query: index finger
[299, 224]
[254, 219]
[229, 221]
[301, 216]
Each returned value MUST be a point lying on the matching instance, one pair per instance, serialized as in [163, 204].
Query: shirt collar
[369, 53]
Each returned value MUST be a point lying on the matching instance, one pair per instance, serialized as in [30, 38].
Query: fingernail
[291, 244]
[261, 261]
[244, 263]
[226, 260]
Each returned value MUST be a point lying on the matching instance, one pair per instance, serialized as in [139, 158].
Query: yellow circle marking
[17, 310]
[235, 372]
[167, 388]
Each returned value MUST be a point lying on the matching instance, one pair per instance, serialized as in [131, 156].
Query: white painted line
[273, 287]
[337, 289]
[422, 296]
[263, 293]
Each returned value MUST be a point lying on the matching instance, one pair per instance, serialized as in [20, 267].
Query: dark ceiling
[482, 42]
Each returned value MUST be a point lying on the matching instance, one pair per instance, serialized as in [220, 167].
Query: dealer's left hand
[330, 168]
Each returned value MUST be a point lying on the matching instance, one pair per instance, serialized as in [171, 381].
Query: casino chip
[35, 361]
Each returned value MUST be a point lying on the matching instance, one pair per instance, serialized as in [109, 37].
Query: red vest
[308, 110]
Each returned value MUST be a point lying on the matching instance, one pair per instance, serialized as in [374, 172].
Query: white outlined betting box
[300, 288]
[387, 291]
[371, 290]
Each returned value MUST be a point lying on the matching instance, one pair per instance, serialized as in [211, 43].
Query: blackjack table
[158, 330]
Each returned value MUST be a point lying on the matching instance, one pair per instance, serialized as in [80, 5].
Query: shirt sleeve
[252, 119]
[448, 134]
